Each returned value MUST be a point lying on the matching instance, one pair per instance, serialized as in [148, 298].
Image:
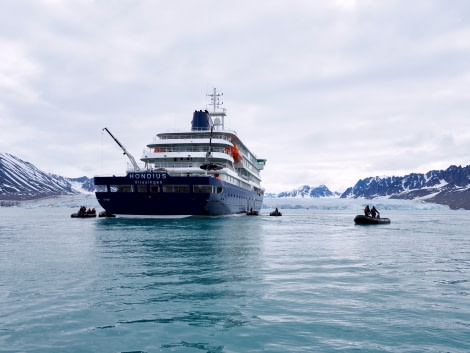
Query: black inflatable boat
[361, 219]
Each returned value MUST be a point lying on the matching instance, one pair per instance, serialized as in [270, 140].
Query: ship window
[141, 188]
[154, 188]
[175, 188]
[101, 188]
[121, 188]
[202, 188]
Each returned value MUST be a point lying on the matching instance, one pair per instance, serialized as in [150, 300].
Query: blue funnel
[201, 121]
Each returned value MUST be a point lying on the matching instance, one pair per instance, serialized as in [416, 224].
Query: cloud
[328, 92]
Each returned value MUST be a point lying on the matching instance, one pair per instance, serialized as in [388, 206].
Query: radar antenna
[131, 158]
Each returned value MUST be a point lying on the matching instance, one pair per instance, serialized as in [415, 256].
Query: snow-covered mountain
[449, 187]
[305, 191]
[20, 180]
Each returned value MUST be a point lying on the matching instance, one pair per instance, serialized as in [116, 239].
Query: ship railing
[183, 165]
[183, 138]
[107, 175]
[130, 168]
[147, 151]
[184, 132]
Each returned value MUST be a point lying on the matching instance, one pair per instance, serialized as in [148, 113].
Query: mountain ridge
[448, 187]
[305, 191]
[20, 180]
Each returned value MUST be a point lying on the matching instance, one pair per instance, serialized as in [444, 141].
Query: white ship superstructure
[183, 153]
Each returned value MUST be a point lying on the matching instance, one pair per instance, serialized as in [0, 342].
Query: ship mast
[216, 103]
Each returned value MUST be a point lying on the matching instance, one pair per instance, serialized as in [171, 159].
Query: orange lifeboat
[236, 154]
[159, 150]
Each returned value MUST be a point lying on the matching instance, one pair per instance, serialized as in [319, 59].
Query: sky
[329, 92]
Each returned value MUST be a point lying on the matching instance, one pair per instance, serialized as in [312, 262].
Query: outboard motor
[201, 121]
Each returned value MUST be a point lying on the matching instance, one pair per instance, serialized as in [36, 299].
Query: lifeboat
[236, 154]
[159, 150]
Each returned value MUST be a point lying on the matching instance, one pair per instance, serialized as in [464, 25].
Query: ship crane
[131, 158]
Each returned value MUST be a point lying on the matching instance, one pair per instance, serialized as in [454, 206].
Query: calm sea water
[309, 281]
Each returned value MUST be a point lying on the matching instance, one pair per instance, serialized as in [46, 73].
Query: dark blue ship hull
[151, 194]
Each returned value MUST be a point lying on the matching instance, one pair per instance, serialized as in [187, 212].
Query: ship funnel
[201, 121]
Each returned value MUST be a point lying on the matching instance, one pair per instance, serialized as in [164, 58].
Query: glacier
[349, 204]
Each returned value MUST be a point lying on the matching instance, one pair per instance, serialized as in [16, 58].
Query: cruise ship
[206, 170]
